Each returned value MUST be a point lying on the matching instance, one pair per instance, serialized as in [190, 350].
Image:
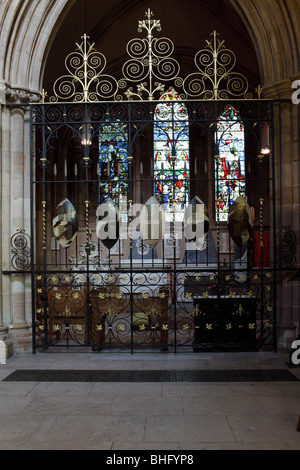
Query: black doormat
[266, 375]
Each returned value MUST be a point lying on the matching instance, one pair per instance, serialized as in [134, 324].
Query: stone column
[296, 205]
[5, 319]
[17, 221]
[286, 325]
[3, 328]
[16, 215]
[27, 214]
[286, 132]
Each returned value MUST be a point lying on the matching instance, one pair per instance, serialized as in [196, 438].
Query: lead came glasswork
[113, 164]
[171, 139]
[230, 166]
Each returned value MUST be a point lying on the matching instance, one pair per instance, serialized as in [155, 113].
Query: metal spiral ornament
[150, 60]
[44, 204]
[261, 221]
[150, 65]
[85, 80]
[20, 250]
[286, 248]
[216, 78]
[87, 231]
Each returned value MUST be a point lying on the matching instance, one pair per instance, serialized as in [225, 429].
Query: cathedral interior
[150, 175]
[149, 227]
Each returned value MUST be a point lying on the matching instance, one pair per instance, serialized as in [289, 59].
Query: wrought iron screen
[108, 268]
[133, 287]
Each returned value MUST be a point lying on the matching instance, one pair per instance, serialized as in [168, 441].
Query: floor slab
[166, 416]
[188, 429]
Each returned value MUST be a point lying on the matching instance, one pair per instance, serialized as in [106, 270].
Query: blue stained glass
[113, 164]
[230, 167]
[171, 137]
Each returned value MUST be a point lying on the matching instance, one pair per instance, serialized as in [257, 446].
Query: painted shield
[152, 222]
[65, 223]
[196, 221]
[240, 221]
[108, 224]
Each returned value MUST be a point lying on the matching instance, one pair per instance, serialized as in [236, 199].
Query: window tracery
[230, 163]
[113, 164]
[171, 155]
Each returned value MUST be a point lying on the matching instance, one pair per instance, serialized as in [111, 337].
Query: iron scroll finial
[259, 91]
[149, 14]
[150, 65]
[85, 80]
[216, 78]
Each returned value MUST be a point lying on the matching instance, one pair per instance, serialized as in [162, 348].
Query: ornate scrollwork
[150, 60]
[216, 78]
[20, 250]
[150, 64]
[286, 248]
[85, 81]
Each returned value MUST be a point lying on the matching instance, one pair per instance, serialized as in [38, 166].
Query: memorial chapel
[149, 175]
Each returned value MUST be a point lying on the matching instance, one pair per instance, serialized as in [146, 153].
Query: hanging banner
[240, 221]
[107, 227]
[152, 222]
[196, 222]
[65, 223]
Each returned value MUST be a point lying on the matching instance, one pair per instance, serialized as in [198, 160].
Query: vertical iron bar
[44, 204]
[86, 164]
[173, 160]
[261, 208]
[76, 209]
[216, 169]
[273, 176]
[130, 202]
[32, 236]
[55, 204]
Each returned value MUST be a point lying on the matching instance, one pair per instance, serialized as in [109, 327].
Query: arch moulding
[28, 27]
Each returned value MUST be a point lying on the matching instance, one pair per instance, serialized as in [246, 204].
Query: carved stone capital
[17, 95]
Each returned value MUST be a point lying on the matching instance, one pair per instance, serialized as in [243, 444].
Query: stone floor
[149, 416]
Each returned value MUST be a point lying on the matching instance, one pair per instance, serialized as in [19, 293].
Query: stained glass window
[113, 165]
[171, 137]
[230, 167]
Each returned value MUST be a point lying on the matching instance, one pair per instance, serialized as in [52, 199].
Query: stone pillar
[5, 319]
[17, 206]
[16, 287]
[19, 324]
[27, 214]
[296, 204]
[286, 325]
[286, 148]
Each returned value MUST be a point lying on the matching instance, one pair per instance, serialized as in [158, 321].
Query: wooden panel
[226, 323]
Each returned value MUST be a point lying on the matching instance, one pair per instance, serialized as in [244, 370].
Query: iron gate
[153, 220]
[88, 293]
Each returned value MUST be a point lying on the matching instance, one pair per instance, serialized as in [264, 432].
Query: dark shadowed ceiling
[188, 23]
